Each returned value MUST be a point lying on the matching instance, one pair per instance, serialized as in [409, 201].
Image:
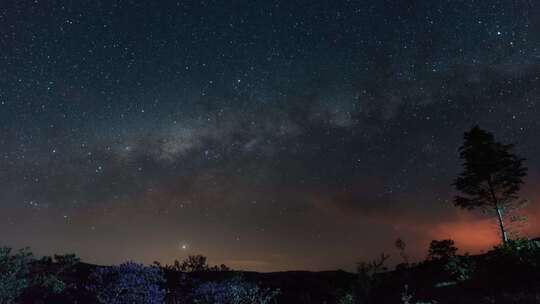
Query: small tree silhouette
[368, 278]
[491, 178]
[194, 263]
[441, 250]
[401, 246]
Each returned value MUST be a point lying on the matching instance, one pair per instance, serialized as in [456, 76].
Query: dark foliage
[23, 279]
[441, 250]
[233, 291]
[128, 283]
[508, 274]
[14, 274]
[193, 263]
[401, 246]
[492, 176]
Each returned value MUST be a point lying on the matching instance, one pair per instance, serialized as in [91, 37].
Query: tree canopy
[492, 175]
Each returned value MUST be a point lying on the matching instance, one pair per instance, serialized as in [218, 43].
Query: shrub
[22, 277]
[233, 291]
[523, 252]
[348, 298]
[460, 268]
[441, 250]
[14, 274]
[52, 276]
[407, 298]
[401, 246]
[193, 263]
[128, 283]
[181, 288]
[368, 277]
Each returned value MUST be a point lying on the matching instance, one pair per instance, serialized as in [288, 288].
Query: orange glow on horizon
[470, 234]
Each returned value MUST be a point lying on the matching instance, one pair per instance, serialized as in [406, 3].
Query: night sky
[267, 135]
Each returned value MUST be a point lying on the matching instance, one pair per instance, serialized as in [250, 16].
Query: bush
[14, 274]
[22, 277]
[460, 268]
[348, 298]
[128, 283]
[441, 250]
[233, 291]
[193, 263]
[407, 298]
[522, 252]
[51, 277]
[368, 279]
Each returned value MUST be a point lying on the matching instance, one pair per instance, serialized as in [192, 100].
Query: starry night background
[267, 135]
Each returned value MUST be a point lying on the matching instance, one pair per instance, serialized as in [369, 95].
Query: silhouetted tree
[368, 278]
[491, 178]
[401, 246]
[441, 250]
[221, 267]
[194, 263]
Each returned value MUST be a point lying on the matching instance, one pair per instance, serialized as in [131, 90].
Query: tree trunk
[504, 235]
[499, 211]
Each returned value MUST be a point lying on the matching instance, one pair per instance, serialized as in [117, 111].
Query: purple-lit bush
[128, 283]
[234, 291]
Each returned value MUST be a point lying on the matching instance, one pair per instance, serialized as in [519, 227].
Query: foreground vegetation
[509, 273]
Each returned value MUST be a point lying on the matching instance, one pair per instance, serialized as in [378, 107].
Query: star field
[267, 135]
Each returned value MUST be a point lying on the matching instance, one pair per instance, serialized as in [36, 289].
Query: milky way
[267, 135]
